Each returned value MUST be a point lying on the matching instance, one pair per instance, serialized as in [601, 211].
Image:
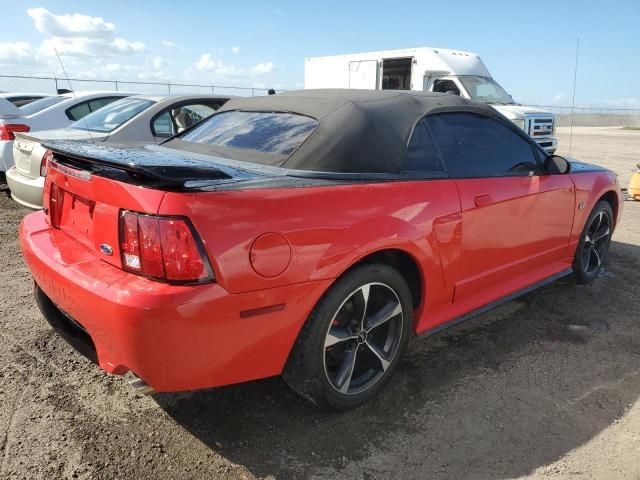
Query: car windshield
[271, 132]
[485, 89]
[38, 105]
[110, 117]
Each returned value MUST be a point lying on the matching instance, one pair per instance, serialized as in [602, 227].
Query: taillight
[8, 130]
[56, 201]
[44, 163]
[163, 248]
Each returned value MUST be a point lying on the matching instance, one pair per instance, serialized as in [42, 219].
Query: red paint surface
[474, 241]
[270, 254]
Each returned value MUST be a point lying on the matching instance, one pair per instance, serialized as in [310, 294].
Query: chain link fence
[34, 83]
[594, 117]
[586, 117]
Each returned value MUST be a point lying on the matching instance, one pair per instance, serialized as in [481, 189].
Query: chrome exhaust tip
[139, 385]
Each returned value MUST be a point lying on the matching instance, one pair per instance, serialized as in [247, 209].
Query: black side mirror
[555, 164]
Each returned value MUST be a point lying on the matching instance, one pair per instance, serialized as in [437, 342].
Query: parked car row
[306, 234]
[100, 117]
[55, 111]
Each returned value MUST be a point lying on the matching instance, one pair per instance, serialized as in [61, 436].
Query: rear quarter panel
[328, 228]
[50, 118]
[137, 129]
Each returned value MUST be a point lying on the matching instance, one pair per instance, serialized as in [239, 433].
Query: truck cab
[433, 70]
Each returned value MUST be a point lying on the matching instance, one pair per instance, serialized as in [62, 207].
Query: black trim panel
[489, 306]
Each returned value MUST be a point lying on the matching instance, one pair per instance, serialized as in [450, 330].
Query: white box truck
[432, 70]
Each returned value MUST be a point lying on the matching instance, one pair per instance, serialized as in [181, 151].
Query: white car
[57, 111]
[22, 98]
[141, 119]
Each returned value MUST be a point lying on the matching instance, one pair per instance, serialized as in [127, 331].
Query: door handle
[483, 200]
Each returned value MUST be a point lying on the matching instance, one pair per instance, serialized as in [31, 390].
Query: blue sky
[528, 46]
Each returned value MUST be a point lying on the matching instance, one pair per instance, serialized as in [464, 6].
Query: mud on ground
[543, 386]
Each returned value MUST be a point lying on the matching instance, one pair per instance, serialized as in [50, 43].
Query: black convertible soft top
[359, 131]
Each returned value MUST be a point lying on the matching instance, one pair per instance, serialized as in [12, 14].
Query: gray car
[137, 119]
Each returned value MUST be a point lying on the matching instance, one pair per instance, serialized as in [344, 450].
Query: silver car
[138, 119]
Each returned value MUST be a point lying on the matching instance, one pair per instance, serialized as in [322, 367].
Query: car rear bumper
[24, 190]
[173, 337]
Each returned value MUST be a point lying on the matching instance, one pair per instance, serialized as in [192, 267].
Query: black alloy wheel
[351, 343]
[594, 243]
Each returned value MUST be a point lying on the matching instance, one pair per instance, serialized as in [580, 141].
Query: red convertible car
[307, 234]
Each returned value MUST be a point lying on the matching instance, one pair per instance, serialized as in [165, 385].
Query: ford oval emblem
[106, 249]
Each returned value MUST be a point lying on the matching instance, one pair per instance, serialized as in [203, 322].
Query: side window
[178, 119]
[444, 86]
[78, 111]
[188, 115]
[98, 103]
[163, 125]
[83, 109]
[422, 154]
[474, 146]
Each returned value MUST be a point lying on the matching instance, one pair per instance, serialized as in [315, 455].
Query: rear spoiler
[149, 166]
[9, 110]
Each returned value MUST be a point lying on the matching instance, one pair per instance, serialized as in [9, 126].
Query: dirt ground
[546, 386]
[612, 147]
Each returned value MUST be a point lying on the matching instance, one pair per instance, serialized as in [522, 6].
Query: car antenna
[573, 100]
[74, 94]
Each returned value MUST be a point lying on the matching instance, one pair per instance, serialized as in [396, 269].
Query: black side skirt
[489, 306]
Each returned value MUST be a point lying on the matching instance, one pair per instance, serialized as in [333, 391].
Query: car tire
[594, 243]
[349, 347]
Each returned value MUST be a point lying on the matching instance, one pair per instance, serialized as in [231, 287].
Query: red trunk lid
[87, 207]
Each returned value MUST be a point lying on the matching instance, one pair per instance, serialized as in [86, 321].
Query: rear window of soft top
[271, 132]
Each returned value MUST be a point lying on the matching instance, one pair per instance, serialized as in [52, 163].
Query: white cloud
[125, 46]
[79, 35]
[149, 75]
[70, 25]
[170, 44]
[15, 50]
[558, 97]
[85, 47]
[206, 63]
[209, 64]
[263, 69]
[92, 47]
[159, 62]
[118, 68]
